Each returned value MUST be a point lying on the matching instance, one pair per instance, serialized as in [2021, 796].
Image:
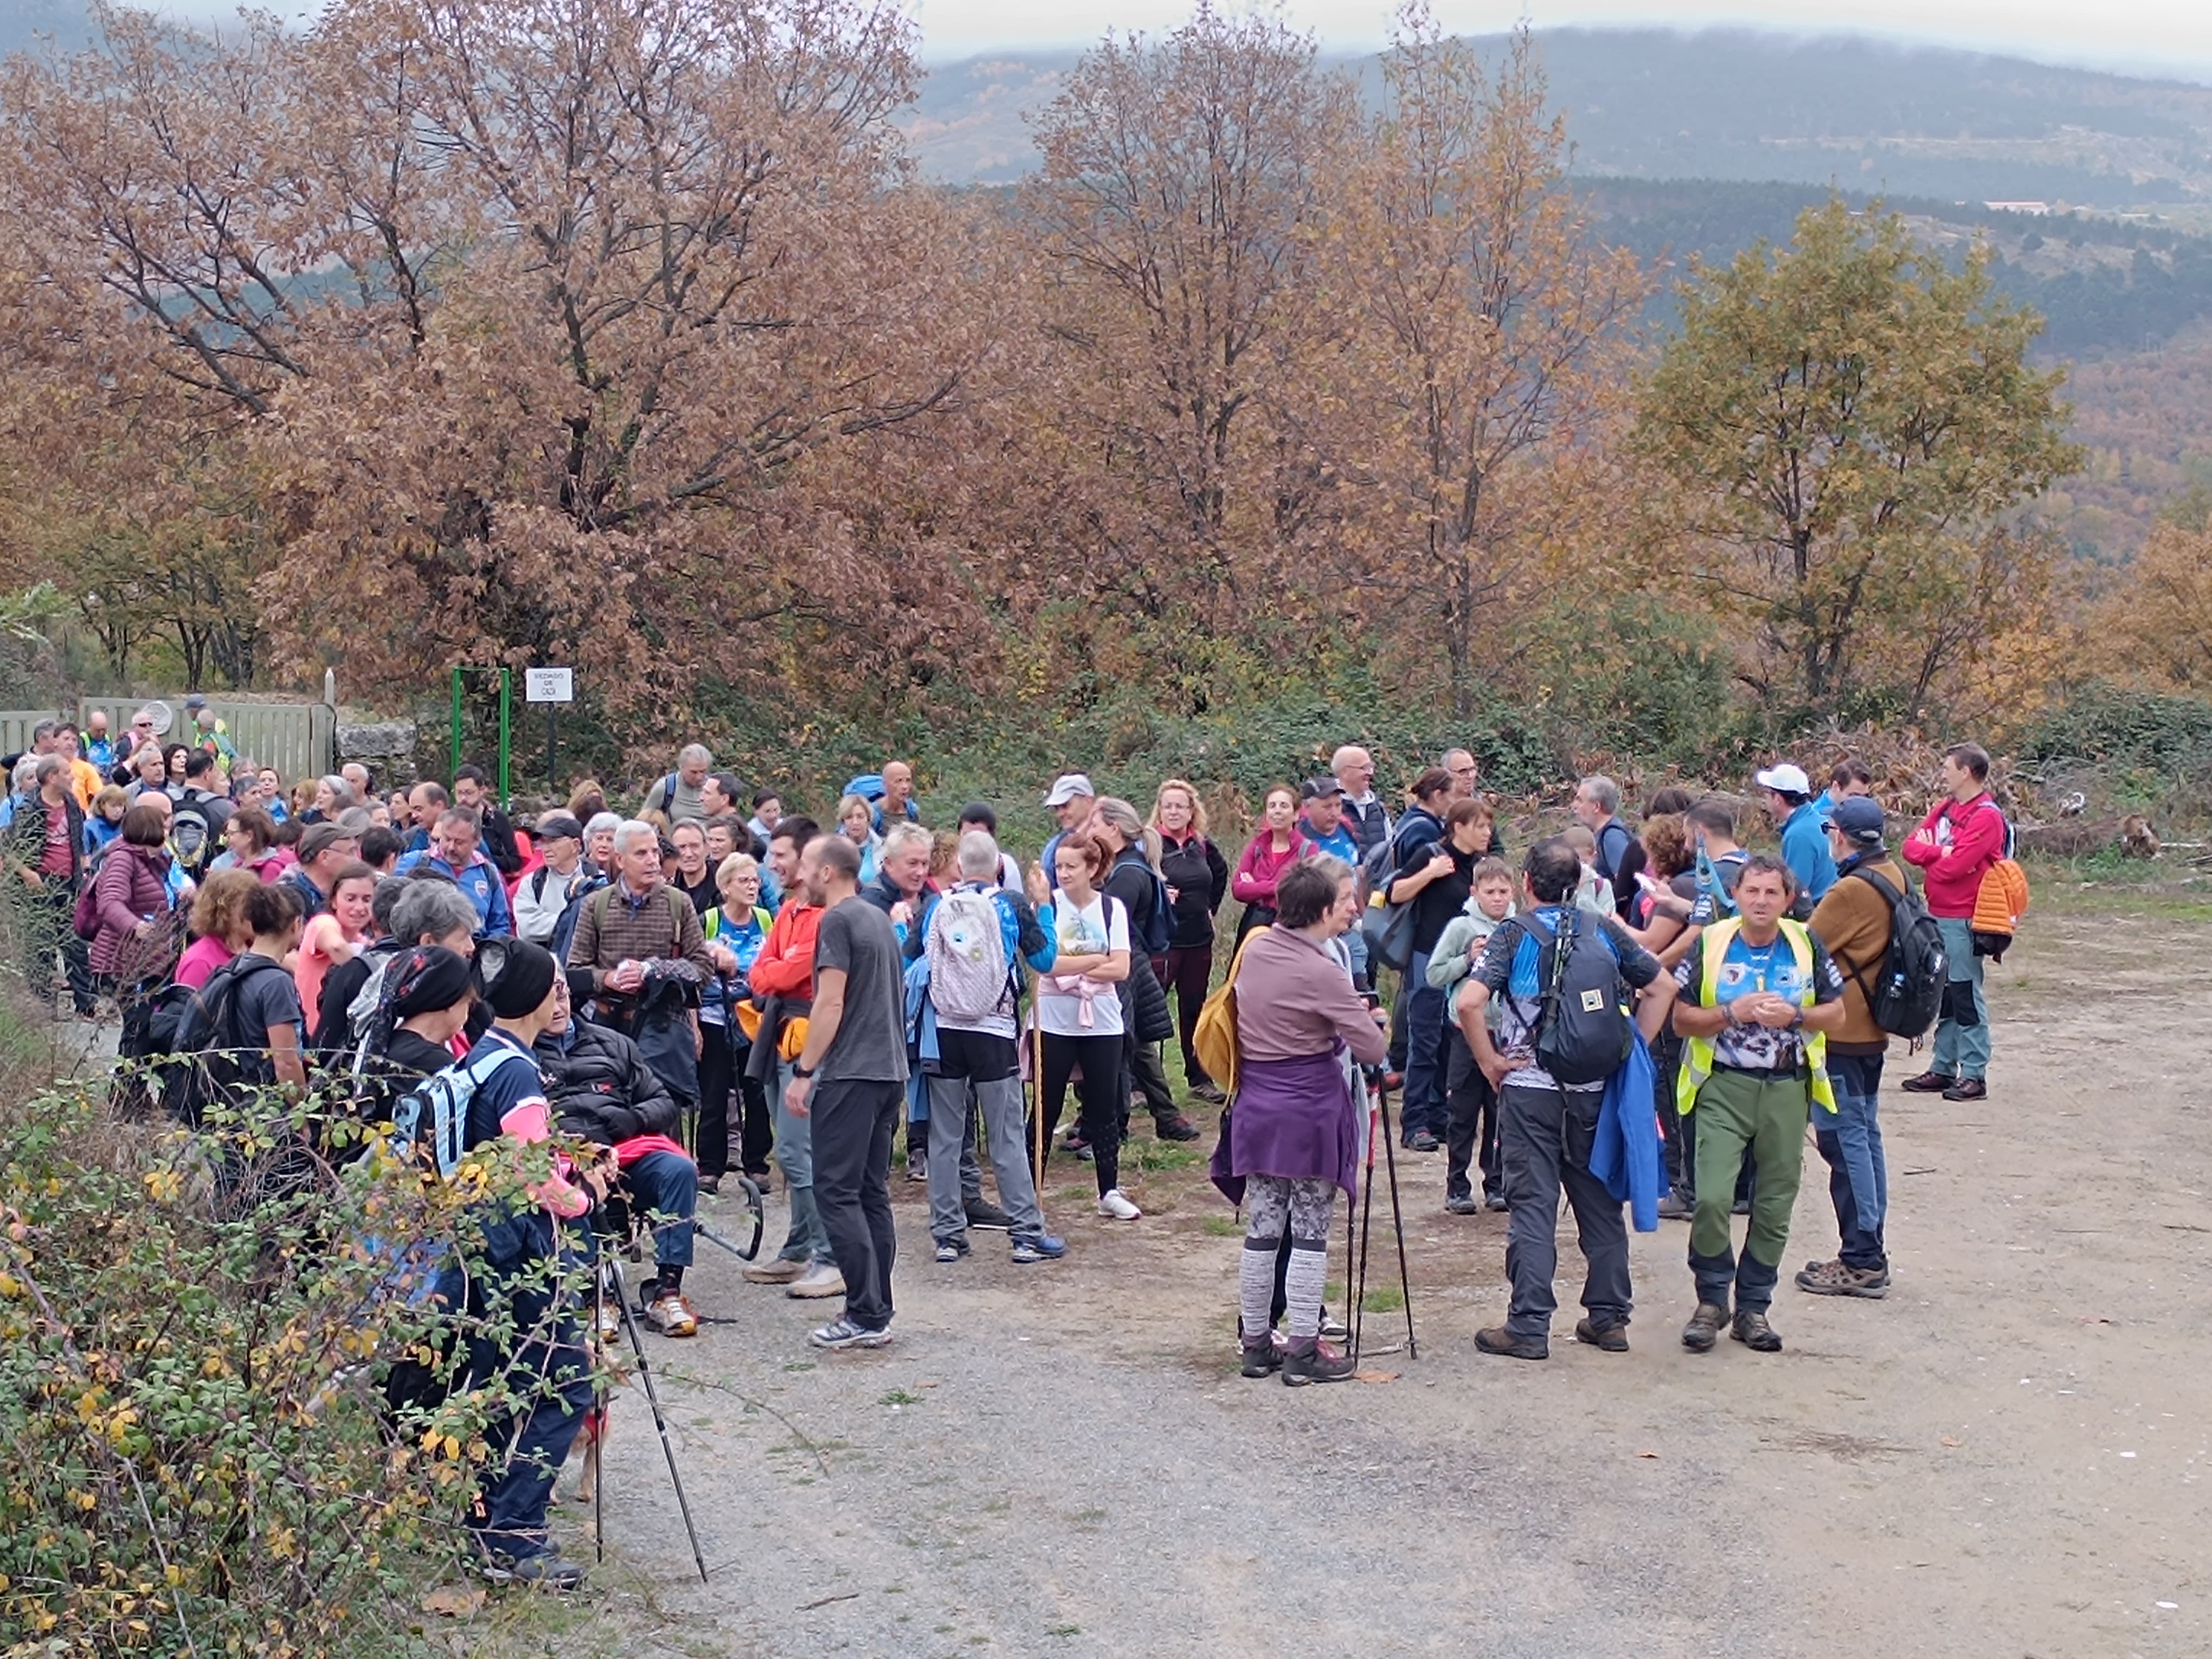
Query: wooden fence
[297, 739]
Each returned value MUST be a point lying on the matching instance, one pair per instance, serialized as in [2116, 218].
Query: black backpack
[205, 1048]
[1906, 997]
[1583, 1028]
[191, 837]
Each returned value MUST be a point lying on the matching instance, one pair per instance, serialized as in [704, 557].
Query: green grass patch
[1386, 1298]
[1222, 1226]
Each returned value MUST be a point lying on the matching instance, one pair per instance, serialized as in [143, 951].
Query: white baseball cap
[1069, 785]
[1789, 779]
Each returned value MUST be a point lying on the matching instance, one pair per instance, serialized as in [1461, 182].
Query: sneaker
[1612, 1339]
[819, 1280]
[952, 1249]
[983, 1213]
[1930, 1083]
[780, 1271]
[546, 1569]
[1210, 1092]
[844, 1333]
[1331, 1327]
[1752, 1330]
[1465, 1204]
[1704, 1327]
[1967, 1088]
[1495, 1201]
[1319, 1364]
[672, 1315]
[1114, 1207]
[1263, 1357]
[710, 1184]
[1175, 1127]
[1673, 1207]
[1741, 1206]
[609, 1321]
[1045, 1247]
[1393, 1080]
[917, 1164]
[1422, 1141]
[1496, 1339]
[1834, 1278]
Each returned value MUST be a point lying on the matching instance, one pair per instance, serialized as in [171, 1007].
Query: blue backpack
[440, 1104]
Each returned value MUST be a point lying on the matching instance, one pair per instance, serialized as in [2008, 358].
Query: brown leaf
[1647, 1454]
[454, 1600]
[1949, 1441]
[1372, 1375]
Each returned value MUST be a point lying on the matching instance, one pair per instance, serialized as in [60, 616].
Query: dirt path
[2005, 1458]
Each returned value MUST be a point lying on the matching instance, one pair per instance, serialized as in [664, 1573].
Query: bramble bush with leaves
[194, 1332]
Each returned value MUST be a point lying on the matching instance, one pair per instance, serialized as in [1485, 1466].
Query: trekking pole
[660, 1425]
[1366, 1216]
[1397, 1221]
[599, 1440]
[1037, 1079]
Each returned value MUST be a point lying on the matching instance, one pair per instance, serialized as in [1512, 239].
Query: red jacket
[1262, 867]
[1965, 840]
[785, 966]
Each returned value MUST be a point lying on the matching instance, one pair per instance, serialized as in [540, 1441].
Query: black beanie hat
[427, 979]
[523, 981]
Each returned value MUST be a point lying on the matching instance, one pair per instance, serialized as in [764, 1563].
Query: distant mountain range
[1735, 105]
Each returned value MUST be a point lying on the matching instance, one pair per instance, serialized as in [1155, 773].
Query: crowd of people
[1643, 1017]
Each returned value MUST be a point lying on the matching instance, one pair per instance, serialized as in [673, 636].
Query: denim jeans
[1424, 1050]
[794, 1153]
[666, 1184]
[1858, 1175]
[1962, 1031]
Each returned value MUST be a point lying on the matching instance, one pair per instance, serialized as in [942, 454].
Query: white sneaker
[1114, 1207]
[821, 1279]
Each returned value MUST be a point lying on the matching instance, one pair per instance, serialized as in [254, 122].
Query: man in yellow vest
[1758, 996]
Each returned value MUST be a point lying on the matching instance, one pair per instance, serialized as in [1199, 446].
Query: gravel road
[2004, 1458]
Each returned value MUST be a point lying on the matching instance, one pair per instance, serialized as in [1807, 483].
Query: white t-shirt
[1101, 925]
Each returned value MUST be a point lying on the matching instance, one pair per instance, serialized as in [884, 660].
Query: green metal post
[506, 729]
[457, 720]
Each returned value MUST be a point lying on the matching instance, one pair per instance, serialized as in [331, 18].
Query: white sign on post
[548, 686]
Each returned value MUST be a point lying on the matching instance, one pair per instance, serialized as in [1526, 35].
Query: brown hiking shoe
[1320, 1364]
[1752, 1330]
[1613, 1338]
[1704, 1327]
[1834, 1278]
[1496, 1339]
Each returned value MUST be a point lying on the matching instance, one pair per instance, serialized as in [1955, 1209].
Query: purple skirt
[1293, 1119]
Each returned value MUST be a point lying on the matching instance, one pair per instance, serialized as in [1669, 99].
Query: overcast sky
[2142, 35]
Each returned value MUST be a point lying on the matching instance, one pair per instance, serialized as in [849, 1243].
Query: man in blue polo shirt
[1787, 793]
[453, 854]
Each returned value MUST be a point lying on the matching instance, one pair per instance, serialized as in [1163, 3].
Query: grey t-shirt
[266, 997]
[858, 939]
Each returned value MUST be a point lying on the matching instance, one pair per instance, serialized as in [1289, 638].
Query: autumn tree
[2155, 629]
[1491, 345]
[1849, 421]
[1179, 180]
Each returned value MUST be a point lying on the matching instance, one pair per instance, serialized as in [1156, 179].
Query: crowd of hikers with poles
[718, 994]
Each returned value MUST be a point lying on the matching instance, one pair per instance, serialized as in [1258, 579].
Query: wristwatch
[802, 1071]
[1796, 1018]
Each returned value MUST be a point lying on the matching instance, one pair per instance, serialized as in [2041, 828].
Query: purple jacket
[130, 887]
[1293, 1119]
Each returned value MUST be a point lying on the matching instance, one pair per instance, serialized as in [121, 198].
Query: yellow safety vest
[1697, 1052]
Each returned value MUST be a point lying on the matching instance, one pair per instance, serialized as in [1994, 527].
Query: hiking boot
[1752, 1330]
[844, 1333]
[988, 1216]
[1174, 1126]
[1210, 1092]
[1262, 1357]
[1421, 1141]
[1613, 1338]
[546, 1569]
[952, 1249]
[1494, 1200]
[917, 1163]
[1967, 1088]
[710, 1184]
[1704, 1327]
[1045, 1247]
[1319, 1364]
[781, 1271]
[1673, 1207]
[671, 1314]
[1835, 1279]
[1930, 1083]
[1499, 1340]
[1463, 1204]
[822, 1280]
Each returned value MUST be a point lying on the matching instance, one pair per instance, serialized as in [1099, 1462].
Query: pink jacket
[128, 889]
[1261, 866]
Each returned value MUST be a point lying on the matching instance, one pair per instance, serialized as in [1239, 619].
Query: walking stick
[1397, 1222]
[1037, 1079]
[1366, 1215]
[660, 1424]
[599, 1439]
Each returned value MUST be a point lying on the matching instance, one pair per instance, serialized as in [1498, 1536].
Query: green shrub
[200, 1455]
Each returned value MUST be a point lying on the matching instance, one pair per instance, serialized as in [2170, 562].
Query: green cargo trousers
[1766, 1113]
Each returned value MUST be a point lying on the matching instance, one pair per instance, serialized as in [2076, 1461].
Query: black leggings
[1099, 1094]
[1188, 970]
